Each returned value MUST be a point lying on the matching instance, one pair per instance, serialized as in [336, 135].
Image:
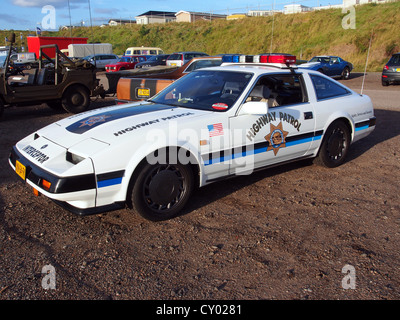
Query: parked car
[332, 66]
[125, 63]
[391, 70]
[158, 60]
[180, 58]
[143, 87]
[101, 60]
[211, 124]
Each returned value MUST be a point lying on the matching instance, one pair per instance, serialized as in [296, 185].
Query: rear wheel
[335, 145]
[161, 191]
[385, 83]
[76, 99]
[346, 73]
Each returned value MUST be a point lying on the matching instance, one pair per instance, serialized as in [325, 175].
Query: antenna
[366, 63]
[91, 31]
[273, 20]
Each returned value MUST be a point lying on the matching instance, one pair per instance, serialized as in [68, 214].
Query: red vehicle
[125, 63]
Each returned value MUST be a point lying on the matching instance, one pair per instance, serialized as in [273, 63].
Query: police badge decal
[276, 138]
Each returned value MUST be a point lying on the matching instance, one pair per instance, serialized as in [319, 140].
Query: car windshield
[125, 59]
[153, 58]
[3, 58]
[320, 59]
[205, 90]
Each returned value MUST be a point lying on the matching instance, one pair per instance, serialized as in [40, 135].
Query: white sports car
[212, 124]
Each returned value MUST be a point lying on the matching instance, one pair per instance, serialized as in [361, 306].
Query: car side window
[326, 88]
[279, 90]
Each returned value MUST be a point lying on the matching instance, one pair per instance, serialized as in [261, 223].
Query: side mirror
[254, 108]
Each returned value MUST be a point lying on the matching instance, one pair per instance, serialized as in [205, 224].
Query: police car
[252, 112]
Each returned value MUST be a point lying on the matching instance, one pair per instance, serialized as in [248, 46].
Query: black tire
[335, 145]
[1, 108]
[346, 73]
[385, 83]
[76, 99]
[161, 191]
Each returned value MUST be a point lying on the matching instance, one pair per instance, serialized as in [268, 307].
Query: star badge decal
[93, 120]
[276, 138]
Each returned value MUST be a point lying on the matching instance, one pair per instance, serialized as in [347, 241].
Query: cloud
[11, 19]
[42, 3]
[106, 10]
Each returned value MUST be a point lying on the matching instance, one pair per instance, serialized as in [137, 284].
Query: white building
[350, 3]
[296, 8]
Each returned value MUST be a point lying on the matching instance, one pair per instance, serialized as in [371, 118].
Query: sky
[52, 14]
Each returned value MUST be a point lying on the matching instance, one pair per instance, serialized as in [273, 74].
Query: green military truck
[59, 82]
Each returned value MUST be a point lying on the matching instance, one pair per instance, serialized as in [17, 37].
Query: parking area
[291, 232]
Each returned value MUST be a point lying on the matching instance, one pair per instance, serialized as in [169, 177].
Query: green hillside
[305, 35]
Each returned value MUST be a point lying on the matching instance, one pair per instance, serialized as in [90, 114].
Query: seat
[41, 77]
[263, 93]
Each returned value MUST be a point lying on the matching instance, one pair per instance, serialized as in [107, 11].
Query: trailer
[76, 50]
[34, 44]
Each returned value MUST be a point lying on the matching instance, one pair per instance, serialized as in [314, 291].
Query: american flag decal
[215, 129]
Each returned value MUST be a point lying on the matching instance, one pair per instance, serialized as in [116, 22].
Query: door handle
[308, 115]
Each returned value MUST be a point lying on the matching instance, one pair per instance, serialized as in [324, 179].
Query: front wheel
[76, 99]
[1, 108]
[335, 145]
[161, 191]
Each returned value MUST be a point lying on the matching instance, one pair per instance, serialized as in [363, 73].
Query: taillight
[385, 68]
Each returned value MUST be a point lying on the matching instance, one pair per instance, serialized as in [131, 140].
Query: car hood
[113, 124]
[310, 65]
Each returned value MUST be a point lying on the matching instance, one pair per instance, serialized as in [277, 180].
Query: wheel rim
[76, 99]
[163, 188]
[346, 73]
[337, 144]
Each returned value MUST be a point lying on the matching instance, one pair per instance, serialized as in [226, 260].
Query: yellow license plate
[143, 93]
[173, 64]
[397, 69]
[20, 169]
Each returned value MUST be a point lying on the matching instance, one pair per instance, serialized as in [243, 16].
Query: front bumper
[76, 193]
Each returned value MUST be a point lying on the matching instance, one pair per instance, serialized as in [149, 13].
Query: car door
[275, 126]
[334, 66]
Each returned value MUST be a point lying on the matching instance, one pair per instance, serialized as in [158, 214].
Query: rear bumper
[391, 77]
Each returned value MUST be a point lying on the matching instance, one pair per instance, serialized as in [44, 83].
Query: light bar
[285, 59]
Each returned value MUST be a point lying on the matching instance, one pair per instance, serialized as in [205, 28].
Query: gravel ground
[284, 233]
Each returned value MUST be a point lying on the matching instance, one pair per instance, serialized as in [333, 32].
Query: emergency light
[285, 59]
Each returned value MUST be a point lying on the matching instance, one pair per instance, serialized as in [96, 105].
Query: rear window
[394, 60]
[326, 88]
[175, 56]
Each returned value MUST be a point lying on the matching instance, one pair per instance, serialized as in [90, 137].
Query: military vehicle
[60, 82]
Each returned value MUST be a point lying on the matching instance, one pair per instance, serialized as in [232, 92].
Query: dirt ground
[292, 232]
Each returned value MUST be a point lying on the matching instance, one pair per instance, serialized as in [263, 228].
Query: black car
[159, 60]
[391, 71]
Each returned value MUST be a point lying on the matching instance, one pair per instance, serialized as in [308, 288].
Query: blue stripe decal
[257, 151]
[362, 128]
[109, 182]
